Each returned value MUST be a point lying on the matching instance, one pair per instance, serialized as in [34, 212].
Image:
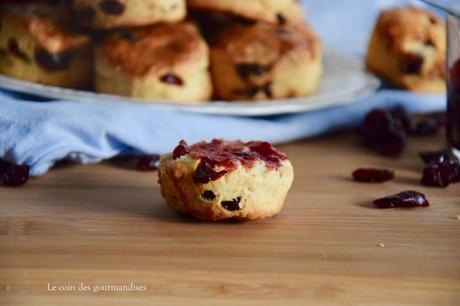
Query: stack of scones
[169, 50]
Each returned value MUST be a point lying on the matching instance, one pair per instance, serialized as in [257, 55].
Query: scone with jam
[162, 62]
[408, 47]
[226, 180]
[274, 11]
[264, 61]
[108, 14]
[37, 45]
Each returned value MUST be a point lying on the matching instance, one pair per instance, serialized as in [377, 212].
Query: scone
[165, 61]
[408, 46]
[225, 180]
[265, 61]
[274, 11]
[109, 14]
[36, 45]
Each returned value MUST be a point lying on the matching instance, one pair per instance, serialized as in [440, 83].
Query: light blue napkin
[39, 134]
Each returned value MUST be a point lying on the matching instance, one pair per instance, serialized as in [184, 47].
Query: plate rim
[214, 107]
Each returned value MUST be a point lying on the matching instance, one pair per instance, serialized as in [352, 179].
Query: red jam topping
[227, 156]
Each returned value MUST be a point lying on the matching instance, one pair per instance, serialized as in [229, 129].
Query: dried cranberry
[208, 195]
[429, 43]
[111, 7]
[13, 175]
[246, 70]
[412, 64]
[148, 162]
[13, 48]
[267, 90]
[205, 173]
[426, 127]
[433, 20]
[401, 117]
[86, 15]
[441, 119]
[180, 150]
[248, 92]
[382, 133]
[53, 61]
[404, 199]
[233, 205]
[373, 175]
[172, 79]
[281, 19]
[431, 157]
[441, 174]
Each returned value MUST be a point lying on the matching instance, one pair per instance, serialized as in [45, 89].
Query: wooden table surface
[64, 235]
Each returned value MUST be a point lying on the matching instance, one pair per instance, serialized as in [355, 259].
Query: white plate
[344, 81]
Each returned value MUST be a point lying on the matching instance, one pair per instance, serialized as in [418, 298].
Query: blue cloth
[39, 134]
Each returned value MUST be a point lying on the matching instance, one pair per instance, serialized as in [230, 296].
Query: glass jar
[453, 83]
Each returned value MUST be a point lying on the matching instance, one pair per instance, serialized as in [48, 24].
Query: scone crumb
[381, 245]
[324, 255]
[457, 217]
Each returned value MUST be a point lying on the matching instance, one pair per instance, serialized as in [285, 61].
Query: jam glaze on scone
[36, 44]
[274, 11]
[108, 14]
[408, 46]
[264, 61]
[225, 180]
[164, 61]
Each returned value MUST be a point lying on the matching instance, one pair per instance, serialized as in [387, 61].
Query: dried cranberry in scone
[221, 180]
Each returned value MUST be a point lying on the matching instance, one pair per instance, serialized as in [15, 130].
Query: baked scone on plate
[222, 180]
[274, 11]
[36, 45]
[265, 61]
[408, 47]
[161, 62]
[107, 14]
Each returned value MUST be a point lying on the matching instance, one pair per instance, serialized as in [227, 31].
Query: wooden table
[107, 225]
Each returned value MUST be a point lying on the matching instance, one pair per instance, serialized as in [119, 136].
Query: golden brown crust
[48, 25]
[156, 48]
[242, 41]
[109, 14]
[402, 26]
[408, 46]
[264, 61]
[274, 11]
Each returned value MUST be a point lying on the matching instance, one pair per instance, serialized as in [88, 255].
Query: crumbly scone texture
[165, 61]
[260, 191]
[37, 45]
[266, 61]
[274, 11]
[408, 46]
[107, 14]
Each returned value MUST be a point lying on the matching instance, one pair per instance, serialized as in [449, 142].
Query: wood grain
[107, 225]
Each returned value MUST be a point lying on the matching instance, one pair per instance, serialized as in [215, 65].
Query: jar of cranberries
[453, 83]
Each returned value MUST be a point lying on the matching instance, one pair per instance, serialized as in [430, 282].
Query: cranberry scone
[274, 11]
[408, 47]
[107, 14]
[37, 45]
[264, 61]
[165, 61]
[222, 180]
